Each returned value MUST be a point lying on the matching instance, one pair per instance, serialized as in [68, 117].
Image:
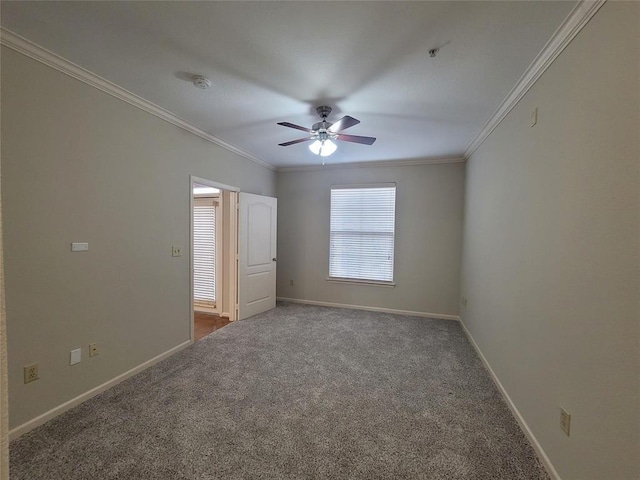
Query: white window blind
[204, 252]
[362, 232]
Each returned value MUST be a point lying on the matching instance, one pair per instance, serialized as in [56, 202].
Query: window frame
[372, 282]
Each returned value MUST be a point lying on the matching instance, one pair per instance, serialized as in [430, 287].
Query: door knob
[274, 259]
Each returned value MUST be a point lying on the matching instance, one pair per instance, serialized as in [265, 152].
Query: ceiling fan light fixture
[315, 147]
[328, 147]
[324, 148]
[323, 134]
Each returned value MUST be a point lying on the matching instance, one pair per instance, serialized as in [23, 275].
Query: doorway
[213, 256]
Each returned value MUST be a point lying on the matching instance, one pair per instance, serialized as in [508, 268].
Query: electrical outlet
[291, 283]
[565, 421]
[176, 251]
[93, 349]
[31, 373]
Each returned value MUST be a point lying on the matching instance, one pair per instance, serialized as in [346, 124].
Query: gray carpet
[299, 392]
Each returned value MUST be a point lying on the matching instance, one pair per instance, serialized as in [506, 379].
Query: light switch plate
[534, 116]
[76, 356]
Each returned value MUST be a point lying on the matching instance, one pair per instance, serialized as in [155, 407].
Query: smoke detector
[201, 82]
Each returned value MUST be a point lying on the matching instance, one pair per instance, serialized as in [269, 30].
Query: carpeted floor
[299, 392]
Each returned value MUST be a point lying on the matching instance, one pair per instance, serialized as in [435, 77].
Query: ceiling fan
[324, 133]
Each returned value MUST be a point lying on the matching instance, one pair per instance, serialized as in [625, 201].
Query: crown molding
[576, 20]
[26, 47]
[383, 163]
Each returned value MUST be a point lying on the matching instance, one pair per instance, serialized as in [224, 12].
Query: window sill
[375, 283]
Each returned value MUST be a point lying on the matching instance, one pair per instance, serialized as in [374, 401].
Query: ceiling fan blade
[356, 139]
[293, 142]
[297, 127]
[344, 123]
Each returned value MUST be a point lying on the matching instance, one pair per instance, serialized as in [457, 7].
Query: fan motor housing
[323, 111]
[321, 126]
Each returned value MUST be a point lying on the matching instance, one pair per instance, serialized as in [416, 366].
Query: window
[362, 232]
[204, 252]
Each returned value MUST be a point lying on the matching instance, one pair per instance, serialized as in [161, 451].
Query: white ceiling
[276, 61]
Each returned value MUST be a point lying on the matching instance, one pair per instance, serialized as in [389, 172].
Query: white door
[257, 254]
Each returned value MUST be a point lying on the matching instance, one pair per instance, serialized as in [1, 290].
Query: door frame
[231, 283]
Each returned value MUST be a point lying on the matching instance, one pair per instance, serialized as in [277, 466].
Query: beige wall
[551, 251]
[4, 397]
[81, 165]
[429, 201]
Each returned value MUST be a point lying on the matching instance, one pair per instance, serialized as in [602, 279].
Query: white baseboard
[54, 412]
[442, 316]
[516, 413]
[208, 310]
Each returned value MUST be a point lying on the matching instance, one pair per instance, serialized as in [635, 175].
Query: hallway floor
[205, 323]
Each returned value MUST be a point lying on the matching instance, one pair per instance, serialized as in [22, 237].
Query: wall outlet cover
[80, 246]
[31, 373]
[76, 356]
